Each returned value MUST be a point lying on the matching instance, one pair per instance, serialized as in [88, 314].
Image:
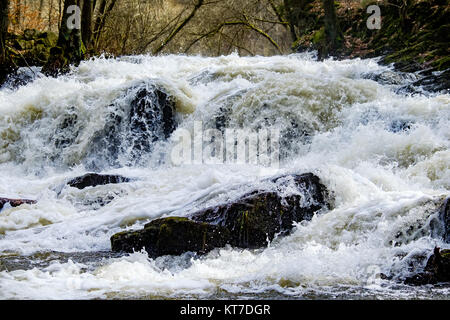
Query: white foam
[384, 179]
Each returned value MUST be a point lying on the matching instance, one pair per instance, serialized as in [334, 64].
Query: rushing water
[383, 152]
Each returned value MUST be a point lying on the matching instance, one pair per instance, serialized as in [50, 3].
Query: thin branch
[161, 32]
[278, 14]
[234, 23]
[285, 24]
[178, 29]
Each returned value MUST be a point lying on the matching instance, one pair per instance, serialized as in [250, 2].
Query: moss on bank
[415, 36]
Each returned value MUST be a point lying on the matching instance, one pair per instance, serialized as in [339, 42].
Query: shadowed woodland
[34, 32]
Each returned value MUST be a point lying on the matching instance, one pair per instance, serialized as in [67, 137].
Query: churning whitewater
[381, 150]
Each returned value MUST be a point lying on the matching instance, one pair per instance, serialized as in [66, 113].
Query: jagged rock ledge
[15, 202]
[95, 179]
[437, 269]
[249, 222]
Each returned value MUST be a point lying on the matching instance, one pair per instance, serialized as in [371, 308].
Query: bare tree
[333, 34]
[86, 22]
[68, 49]
[179, 27]
[6, 66]
[100, 20]
[4, 22]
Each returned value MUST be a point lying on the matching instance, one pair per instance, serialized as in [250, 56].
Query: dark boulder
[171, 236]
[436, 270]
[32, 48]
[436, 82]
[15, 202]
[144, 115]
[248, 222]
[152, 117]
[259, 215]
[95, 179]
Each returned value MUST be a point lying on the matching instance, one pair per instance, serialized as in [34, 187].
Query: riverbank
[414, 37]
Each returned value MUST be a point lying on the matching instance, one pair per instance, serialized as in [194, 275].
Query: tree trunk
[99, 17]
[100, 20]
[290, 17]
[69, 48]
[4, 22]
[6, 65]
[86, 23]
[41, 5]
[333, 35]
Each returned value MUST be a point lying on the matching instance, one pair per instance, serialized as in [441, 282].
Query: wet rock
[408, 66]
[400, 125]
[15, 202]
[66, 131]
[248, 222]
[21, 77]
[258, 216]
[386, 77]
[152, 117]
[436, 270]
[436, 82]
[42, 259]
[444, 215]
[143, 116]
[172, 236]
[95, 179]
[32, 48]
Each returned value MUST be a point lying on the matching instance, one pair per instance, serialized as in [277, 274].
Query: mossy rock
[258, 216]
[172, 236]
[57, 63]
[248, 222]
[49, 38]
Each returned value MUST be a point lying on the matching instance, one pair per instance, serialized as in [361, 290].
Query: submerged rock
[15, 202]
[95, 179]
[436, 270]
[444, 215]
[436, 82]
[248, 222]
[152, 117]
[140, 118]
[400, 125]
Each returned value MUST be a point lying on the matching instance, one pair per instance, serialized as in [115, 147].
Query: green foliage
[319, 36]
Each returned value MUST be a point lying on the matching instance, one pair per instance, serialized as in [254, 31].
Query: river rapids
[380, 148]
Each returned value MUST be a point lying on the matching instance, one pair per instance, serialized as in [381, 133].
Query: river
[382, 151]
